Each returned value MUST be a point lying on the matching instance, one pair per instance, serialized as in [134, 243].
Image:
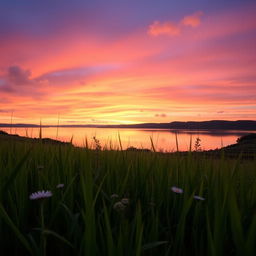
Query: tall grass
[83, 217]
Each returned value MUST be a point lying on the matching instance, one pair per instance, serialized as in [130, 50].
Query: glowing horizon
[126, 63]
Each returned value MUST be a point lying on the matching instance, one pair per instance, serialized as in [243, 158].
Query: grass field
[124, 203]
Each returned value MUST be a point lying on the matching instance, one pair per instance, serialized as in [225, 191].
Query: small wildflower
[177, 190]
[199, 198]
[40, 195]
[125, 201]
[198, 144]
[119, 206]
[113, 196]
[97, 143]
[60, 186]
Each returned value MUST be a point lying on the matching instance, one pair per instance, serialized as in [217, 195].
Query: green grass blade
[15, 230]
[153, 245]
[15, 172]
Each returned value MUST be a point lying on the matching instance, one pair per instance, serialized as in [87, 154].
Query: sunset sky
[134, 61]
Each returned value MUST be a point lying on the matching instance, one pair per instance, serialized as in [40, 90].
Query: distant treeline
[191, 125]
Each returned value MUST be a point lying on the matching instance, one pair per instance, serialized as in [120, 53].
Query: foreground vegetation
[124, 203]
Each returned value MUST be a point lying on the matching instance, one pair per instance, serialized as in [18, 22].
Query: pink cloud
[169, 28]
[164, 28]
[193, 20]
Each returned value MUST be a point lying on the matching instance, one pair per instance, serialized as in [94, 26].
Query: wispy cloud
[78, 74]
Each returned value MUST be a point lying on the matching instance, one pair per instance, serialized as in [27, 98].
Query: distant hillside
[216, 124]
[4, 136]
[191, 125]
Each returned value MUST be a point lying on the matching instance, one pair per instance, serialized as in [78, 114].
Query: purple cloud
[18, 76]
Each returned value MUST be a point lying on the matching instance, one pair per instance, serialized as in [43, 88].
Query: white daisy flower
[177, 190]
[40, 195]
[199, 198]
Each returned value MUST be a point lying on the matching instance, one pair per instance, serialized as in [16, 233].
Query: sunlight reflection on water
[163, 139]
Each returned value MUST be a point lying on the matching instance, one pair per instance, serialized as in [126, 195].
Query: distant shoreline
[246, 125]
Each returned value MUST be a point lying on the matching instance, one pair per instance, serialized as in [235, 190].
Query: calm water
[164, 140]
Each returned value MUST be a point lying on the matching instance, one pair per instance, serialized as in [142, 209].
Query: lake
[163, 139]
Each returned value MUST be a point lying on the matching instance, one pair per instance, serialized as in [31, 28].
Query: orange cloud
[165, 28]
[192, 20]
[169, 28]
